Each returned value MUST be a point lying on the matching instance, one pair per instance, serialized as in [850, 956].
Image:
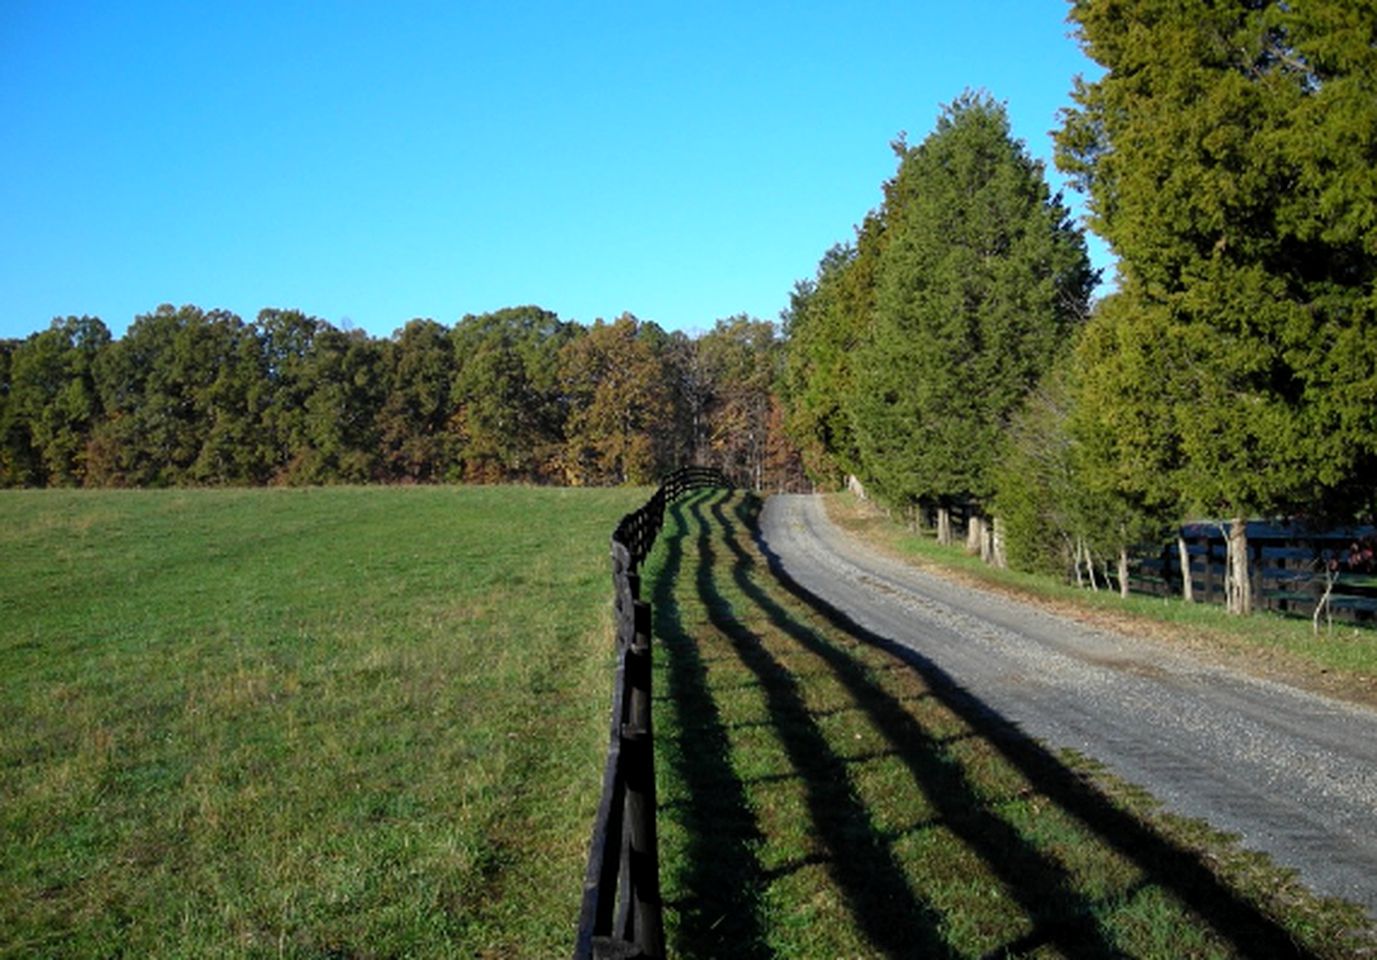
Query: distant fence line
[621, 915]
[1287, 564]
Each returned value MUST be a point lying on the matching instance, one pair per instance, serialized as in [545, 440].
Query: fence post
[622, 915]
[1206, 544]
[643, 922]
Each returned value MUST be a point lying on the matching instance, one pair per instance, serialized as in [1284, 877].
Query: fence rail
[1286, 563]
[621, 915]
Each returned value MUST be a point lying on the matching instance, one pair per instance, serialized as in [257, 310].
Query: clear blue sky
[374, 162]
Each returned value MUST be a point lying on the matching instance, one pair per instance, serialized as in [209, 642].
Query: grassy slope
[823, 797]
[327, 722]
[1342, 662]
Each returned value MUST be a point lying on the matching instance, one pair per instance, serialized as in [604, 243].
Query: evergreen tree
[980, 282]
[1228, 156]
[826, 321]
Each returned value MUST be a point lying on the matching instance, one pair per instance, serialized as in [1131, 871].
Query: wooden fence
[1287, 564]
[621, 915]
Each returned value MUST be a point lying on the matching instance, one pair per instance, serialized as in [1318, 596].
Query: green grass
[824, 796]
[1349, 650]
[341, 722]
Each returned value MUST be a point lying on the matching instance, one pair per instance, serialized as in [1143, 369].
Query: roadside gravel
[1293, 773]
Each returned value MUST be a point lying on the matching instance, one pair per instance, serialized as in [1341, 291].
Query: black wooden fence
[1287, 563]
[621, 914]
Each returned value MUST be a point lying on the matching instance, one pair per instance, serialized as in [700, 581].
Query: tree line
[952, 354]
[195, 397]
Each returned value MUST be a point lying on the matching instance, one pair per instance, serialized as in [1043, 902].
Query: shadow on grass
[858, 858]
[719, 912]
[1061, 915]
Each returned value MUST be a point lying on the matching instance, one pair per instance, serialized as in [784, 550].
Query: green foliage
[980, 281]
[414, 422]
[324, 389]
[189, 397]
[509, 410]
[1038, 488]
[51, 403]
[825, 323]
[1228, 155]
[1060, 480]
[179, 402]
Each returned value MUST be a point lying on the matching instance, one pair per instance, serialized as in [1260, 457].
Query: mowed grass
[340, 722]
[825, 795]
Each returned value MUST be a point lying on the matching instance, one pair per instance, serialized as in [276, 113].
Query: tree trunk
[1090, 566]
[1238, 582]
[1123, 572]
[997, 555]
[1187, 589]
[987, 540]
[943, 525]
[975, 533]
[1331, 574]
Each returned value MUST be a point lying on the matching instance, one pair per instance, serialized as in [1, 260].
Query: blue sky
[373, 162]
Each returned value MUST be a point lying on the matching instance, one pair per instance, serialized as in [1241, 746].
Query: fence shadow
[1062, 917]
[859, 859]
[722, 881]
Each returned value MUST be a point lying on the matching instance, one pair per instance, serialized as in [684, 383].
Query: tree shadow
[1062, 916]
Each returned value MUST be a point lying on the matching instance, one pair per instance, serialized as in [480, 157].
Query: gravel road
[1293, 773]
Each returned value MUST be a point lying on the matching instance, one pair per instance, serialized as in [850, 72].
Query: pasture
[331, 722]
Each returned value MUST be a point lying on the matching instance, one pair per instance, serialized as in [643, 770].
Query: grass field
[341, 722]
[372, 723]
[823, 796]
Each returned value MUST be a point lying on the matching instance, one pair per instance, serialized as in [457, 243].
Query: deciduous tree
[509, 409]
[52, 403]
[618, 385]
